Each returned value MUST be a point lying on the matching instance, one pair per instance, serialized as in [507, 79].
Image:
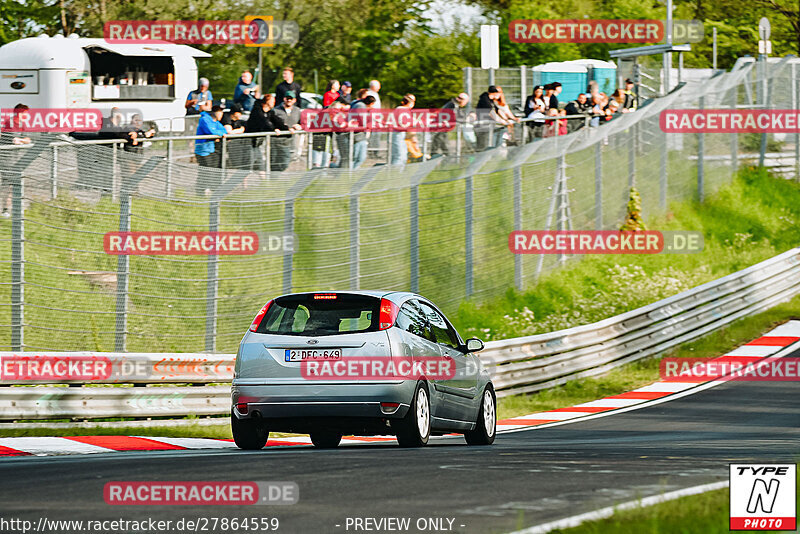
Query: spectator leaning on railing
[288, 84]
[505, 119]
[535, 108]
[360, 139]
[631, 101]
[208, 157]
[486, 111]
[260, 121]
[200, 99]
[398, 139]
[460, 105]
[286, 118]
[246, 91]
[579, 106]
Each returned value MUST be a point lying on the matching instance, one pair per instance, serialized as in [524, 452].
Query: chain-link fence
[439, 227]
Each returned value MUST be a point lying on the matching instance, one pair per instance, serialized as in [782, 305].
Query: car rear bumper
[302, 400]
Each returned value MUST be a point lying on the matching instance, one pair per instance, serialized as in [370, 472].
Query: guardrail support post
[17, 263]
[700, 160]
[518, 274]
[468, 235]
[598, 185]
[212, 287]
[123, 271]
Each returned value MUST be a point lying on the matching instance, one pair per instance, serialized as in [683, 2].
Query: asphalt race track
[526, 478]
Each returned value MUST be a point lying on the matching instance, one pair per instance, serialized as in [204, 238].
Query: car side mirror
[474, 345]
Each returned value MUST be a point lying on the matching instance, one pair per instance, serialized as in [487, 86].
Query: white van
[74, 72]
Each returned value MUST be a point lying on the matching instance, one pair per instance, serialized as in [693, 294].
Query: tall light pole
[668, 41]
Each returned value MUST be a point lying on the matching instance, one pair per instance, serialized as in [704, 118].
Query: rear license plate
[299, 355]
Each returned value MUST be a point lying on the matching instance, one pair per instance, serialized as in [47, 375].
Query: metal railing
[519, 365]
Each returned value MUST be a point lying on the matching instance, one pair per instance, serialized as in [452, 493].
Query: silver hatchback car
[359, 362]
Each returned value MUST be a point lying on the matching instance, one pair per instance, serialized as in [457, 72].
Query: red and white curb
[767, 345]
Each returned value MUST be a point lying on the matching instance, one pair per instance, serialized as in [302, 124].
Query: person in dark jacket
[556, 87]
[288, 84]
[486, 111]
[246, 91]
[579, 106]
[260, 121]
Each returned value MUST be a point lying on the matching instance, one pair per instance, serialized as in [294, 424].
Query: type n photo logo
[763, 497]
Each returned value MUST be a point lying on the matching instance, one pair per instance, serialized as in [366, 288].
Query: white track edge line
[604, 513]
[788, 349]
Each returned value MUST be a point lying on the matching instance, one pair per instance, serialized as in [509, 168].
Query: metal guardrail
[519, 365]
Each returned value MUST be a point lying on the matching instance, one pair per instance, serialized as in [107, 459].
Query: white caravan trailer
[74, 72]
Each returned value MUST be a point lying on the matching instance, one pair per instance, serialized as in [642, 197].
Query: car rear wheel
[326, 440]
[486, 425]
[248, 434]
[414, 429]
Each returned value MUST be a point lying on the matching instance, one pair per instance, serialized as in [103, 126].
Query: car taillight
[242, 407]
[388, 314]
[325, 296]
[259, 316]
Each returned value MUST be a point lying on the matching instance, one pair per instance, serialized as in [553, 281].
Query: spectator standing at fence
[579, 106]
[346, 92]
[535, 108]
[398, 139]
[331, 93]
[360, 138]
[288, 84]
[556, 90]
[631, 101]
[599, 102]
[206, 152]
[505, 119]
[286, 118]
[238, 149]
[200, 99]
[137, 135]
[486, 111]
[260, 121]
[459, 105]
[13, 134]
[373, 91]
[246, 91]
[551, 126]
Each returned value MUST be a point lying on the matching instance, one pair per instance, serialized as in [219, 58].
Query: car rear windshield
[321, 314]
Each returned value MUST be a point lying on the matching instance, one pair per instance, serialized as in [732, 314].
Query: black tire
[325, 439]
[414, 429]
[248, 434]
[486, 423]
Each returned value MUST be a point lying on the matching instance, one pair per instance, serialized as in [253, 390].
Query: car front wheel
[248, 434]
[414, 429]
[486, 424]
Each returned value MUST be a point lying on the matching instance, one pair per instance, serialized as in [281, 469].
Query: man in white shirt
[374, 89]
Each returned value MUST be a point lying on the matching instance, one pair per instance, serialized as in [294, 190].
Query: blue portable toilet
[602, 72]
[573, 78]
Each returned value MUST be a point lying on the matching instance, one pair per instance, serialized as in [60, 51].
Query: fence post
[468, 235]
[17, 263]
[796, 134]
[350, 149]
[523, 84]
[267, 154]
[212, 282]
[168, 185]
[598, 185]
[763, 152]
[700, 160]
[424, 145]
[518, 274]
[310, 153]
[414, 237]
[735, 136]
[458, 139]
[123, 271]
[288, 226]
[663, 172]
[114, 173]
[224, 163]
[632, 156]
[54, 173]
